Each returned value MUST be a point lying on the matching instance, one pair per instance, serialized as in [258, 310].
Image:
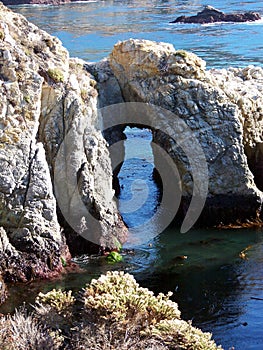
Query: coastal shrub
[106, 338]
[112, 312]
[183, 334]
[117, 296]
[55, 310]
[23, 332]
[57, 299]
[133, 315]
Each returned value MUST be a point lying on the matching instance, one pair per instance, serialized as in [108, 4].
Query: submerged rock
[211, 15]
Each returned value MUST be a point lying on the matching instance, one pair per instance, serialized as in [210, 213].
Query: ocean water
[90, 29]
[215, 288]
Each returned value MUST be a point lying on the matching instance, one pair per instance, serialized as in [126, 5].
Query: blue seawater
[90, 29]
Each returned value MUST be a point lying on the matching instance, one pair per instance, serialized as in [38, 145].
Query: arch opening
[139, 191]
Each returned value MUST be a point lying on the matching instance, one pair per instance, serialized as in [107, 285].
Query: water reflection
[212, 285]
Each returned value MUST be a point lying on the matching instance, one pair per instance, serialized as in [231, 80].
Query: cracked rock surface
[43, 95]
[223, 108]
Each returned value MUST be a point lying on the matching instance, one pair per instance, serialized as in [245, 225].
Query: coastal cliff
[56, 172]
[45, 95]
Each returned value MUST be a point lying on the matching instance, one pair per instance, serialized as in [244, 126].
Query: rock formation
[222, 107]
[211, 15]
[45, 95]
[56, 176]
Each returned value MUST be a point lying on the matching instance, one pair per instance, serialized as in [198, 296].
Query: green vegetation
[56, 75]
[27, 98]
[112, 312]
[114, 257]
[57, 299]
[63, 261]
[181, 53]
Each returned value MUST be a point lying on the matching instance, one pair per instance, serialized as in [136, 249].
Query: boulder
[211, 15]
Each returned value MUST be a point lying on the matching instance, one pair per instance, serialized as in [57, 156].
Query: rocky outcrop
[211, 15]
[56, 175]
[223, 108]
[3, 291]
[46, 96]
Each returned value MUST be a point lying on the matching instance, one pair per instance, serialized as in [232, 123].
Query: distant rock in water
[35, 2]
[211, 15]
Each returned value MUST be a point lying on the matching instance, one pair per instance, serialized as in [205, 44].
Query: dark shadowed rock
[211, 15]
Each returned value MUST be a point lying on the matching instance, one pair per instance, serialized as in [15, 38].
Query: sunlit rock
[222, 107]
[45, 94]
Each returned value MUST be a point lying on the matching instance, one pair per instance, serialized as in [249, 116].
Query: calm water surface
[214, 287]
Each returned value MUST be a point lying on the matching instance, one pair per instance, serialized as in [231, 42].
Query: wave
[257, 22]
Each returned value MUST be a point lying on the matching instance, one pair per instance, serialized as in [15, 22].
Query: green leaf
[114, 257]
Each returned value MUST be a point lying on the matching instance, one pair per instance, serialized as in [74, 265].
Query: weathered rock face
[211, 15]
[222, 107]
[44, 96]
